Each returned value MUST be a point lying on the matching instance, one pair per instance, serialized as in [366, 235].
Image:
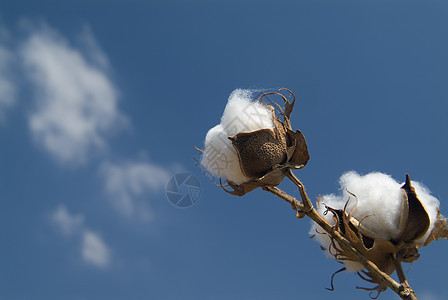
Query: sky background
[101, 102]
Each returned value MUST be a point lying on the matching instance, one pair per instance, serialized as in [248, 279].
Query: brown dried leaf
[272, 178]
[241, 189]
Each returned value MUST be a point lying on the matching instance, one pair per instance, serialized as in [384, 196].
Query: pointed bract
[415, 219]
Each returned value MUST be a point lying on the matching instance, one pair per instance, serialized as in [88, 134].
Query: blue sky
[101, 102]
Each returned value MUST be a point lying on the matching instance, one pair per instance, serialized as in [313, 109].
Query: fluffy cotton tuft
[379, 202]
[220, 158]
[379, 207]
[241, 114]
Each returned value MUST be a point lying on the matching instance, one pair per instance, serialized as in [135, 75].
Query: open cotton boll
[376, 201]
[379, 202]
[243, 115]
[219, 156]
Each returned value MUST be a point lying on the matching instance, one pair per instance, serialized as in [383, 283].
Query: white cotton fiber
[379, 202]
[220, 157]
[240, 115]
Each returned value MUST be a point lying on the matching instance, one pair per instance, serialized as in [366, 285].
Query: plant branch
[306, 208]
[401, 275]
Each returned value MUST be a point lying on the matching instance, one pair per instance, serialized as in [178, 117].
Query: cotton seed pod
[264, 155]
[259, 151]
[252, 146]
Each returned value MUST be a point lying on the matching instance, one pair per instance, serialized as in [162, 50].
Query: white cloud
[94, 250]
[7, 87]
[67, 223]
[127, 183]
[76, 101]
[92, 48]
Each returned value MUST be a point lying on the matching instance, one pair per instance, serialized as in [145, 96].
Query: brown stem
[400, 272]
[307, 204]
[403, 290]
[402, 277]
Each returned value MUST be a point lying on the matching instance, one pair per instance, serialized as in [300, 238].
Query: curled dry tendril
[332, 279]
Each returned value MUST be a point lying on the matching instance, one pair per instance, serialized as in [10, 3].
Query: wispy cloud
[428, 295]
[7, 87]
[76, 100]
[129, 184]
[92, 49]
[68, 224]
[94, 250]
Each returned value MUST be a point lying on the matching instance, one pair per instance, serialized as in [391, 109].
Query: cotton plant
[372, 226]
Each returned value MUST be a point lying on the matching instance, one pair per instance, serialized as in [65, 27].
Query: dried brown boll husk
[265, 155]
[376, 250]
[414, 221]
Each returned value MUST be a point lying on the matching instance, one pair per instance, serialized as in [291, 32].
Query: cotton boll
[266, 147]
[379, 202]
[376, 201]
[243, 115]
[240, 115]
[220, 158]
